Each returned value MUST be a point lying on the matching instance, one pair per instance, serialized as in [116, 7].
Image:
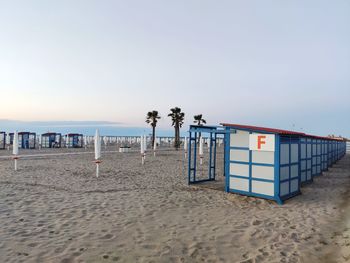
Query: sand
[55, 210]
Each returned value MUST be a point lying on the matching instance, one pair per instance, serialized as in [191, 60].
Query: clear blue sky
[282, 64]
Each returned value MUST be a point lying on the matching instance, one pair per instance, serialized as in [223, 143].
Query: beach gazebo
[264, 162]
[26, 140]
[75, 140]
[2, 140]
[51, 140]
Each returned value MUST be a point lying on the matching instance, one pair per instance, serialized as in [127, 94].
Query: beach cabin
[305, 159]
[324, 154]
[51, 140]
[75, 140]
[264, 162]
[2, 140]
[316, 155]
[26, 140]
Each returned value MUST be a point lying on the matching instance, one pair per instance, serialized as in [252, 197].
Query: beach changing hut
[26, 140]
[262, 162]
[265, 162]
[74, 140]
[51, 140]
[2, 140]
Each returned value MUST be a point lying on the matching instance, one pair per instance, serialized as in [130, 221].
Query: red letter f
[260, 141]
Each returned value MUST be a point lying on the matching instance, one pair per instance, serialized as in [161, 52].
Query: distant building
[74, 140]
[26, 140]
[51, 140]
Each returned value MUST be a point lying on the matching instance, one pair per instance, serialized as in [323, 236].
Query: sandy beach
[53, 209]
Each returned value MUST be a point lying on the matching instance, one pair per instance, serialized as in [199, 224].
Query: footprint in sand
[67, 260]
[107, 236]
[32, 244]
[256, 222]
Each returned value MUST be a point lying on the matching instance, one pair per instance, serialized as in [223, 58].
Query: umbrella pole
[97, 169]
[97, 162]
[15, 158]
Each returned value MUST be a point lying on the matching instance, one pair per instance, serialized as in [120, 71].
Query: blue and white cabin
[316, 156]
[51, 140]
[264, 162]
[305, 160]
[252, 169]
[2, 140]
[324, 159]
[26, 140]
[334, 152]
[75, 140]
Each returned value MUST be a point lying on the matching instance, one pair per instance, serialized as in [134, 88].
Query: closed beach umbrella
[97, 145]
[155, 146]
[15, 143]
[8, 141]
[142, 150]
[97, 151]
[201, 150]
[145, 143]
[85, 141]
[105, 141]
[185, 146]
[142, 145]
[15, 148]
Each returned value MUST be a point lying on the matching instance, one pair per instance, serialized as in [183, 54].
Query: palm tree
[199, 119]
[177, 118]
[152, 118]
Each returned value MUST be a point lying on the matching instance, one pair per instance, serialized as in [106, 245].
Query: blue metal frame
[192, 167]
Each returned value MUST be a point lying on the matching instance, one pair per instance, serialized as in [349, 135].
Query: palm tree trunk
[153, 135]
[177, 137]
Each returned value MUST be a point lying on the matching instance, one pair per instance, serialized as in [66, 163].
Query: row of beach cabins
[31, 140]
[267, 162]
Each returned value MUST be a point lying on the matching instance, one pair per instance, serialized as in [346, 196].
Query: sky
[283, 64]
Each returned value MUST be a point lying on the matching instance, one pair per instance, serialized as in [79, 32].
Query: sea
[83, 127]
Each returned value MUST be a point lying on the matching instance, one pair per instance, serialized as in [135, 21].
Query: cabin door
[25, 141]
